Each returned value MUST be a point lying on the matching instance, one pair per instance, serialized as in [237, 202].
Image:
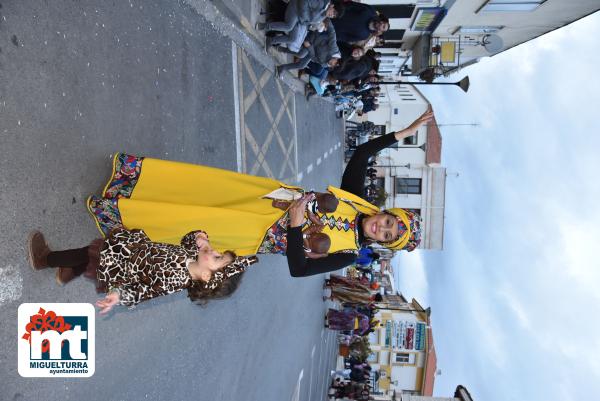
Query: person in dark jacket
[359, 22]
[350, 69]
[303, 12]
[319, 47]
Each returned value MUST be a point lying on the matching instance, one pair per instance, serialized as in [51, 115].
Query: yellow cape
[171, 199]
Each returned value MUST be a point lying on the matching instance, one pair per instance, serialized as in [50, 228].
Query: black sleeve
[355, 173]
[301, 266]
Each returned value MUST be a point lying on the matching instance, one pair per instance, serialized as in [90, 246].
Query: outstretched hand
[412, 128]
[297, 209]
[108, 302]
[201, 240]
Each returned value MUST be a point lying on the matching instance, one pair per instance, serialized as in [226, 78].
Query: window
[405, 358]
[510, 5]
[394, 34]
[409, 186]
[380, 129]
[395, 111]
[410, 140]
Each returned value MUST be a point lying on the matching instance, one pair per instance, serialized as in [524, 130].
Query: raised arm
[355, 173]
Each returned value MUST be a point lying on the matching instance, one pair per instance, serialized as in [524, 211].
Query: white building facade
[430, 38]
[402, 350]
[410, 172]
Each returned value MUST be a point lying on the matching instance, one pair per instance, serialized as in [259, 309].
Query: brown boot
[64, 275]
[38, 251]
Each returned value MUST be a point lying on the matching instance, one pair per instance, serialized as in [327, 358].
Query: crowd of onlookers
[355, 319]
[332, 42]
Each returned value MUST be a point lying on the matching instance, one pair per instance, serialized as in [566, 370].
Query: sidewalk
[236, 19]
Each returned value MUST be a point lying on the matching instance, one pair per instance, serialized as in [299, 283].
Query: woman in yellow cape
[168, 199]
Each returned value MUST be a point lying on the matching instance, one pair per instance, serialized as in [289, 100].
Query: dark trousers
[289, 22]
[304, 56]
[76, 259]
[317, 70]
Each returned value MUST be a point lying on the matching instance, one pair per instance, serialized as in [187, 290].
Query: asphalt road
[81, 80]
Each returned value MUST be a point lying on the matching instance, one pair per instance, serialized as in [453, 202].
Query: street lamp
[462, 84]
[422, 147]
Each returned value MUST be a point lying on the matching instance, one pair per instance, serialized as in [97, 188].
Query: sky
[515, 293]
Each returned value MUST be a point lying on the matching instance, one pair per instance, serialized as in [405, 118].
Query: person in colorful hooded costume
[169, 199]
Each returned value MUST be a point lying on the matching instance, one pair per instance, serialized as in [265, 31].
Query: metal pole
[462, 84]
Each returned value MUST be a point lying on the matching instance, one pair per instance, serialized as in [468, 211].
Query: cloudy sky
[515, 295]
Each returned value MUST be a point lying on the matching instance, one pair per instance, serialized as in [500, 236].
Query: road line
[312, 372]
[325, 155]
[318, 161]
[300, 176]
[326, 352]
[309, 168]
[296, 395]
[295, 136]
[236, 107]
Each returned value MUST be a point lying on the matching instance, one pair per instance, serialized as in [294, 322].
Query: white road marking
[236, 107]
[11, 284]
[296, 395]
[309, 168]
[318, 161]
[300, 176]
[325, 155]
[295, 135]
[312, 354]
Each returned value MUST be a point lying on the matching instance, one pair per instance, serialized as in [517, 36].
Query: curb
[241, 32]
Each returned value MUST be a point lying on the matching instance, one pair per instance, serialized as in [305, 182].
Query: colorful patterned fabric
[415, 231]
[275, 241]
[342, 225]
[106, 213]
[127, 169]
[339, 224]
[409, 230]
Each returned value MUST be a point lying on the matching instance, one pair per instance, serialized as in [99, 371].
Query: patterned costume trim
[275, 240]
[344, 225]
[126, 172]
[106, 213]
[415, 231]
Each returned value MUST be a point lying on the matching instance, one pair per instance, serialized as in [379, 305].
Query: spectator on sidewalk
[319, 47]
[366, 256]
[359, 22]
[301, 12]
